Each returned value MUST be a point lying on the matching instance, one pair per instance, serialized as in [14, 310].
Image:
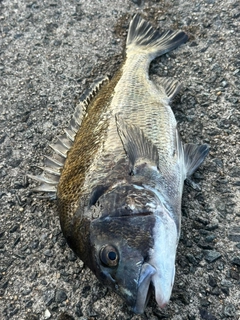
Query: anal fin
[170, 86]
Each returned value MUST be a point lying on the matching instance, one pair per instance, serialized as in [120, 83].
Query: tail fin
[141, 34]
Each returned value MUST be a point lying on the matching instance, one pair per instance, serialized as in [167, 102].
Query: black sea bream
[119, 172]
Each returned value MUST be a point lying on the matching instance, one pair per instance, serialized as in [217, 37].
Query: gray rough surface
[51, 52]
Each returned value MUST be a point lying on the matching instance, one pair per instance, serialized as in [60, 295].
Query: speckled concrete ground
[51, 51]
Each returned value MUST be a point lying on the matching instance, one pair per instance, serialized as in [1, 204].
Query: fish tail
[142, 36]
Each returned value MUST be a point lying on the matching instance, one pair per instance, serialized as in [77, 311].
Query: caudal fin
[143, 36]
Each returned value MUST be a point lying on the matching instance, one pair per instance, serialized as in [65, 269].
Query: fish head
[120, 257]
[125, 256]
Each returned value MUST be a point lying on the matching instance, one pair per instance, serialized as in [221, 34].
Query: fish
[118, 173]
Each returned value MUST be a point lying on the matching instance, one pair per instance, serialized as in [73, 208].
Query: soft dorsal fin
[50, 176]
[194, 155]
[140, 150]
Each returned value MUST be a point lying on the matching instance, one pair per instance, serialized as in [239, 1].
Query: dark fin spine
[194, 155]
[52, 180]
[54, 163]
[48, 183]
[51, 170]
[141, 34]
[70, 134]
[135, 143]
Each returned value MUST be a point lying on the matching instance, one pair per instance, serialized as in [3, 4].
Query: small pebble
[211, 255]
[60, 296]
[137, 2]
[47, 314]
[206, 315]
[49, 297]
[236, 260]
[212, 281]
[229, 310]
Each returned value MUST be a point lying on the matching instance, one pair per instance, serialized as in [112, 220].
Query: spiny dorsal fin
[52, 166]
[142, 35]
[89, 94]
[139, 149]
[194, 155]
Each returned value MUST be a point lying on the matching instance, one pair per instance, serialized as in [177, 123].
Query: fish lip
[141, 214]
[144, 285]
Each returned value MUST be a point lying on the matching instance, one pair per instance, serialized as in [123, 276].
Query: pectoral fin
[194, 155]
[140, 150]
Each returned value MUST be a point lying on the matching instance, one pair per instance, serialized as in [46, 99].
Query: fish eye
[109, 256]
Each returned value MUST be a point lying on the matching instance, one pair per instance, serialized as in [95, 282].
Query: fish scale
[143, 105]
[119, 170]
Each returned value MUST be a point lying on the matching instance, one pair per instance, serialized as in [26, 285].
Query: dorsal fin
[89, 94]
[52, 166]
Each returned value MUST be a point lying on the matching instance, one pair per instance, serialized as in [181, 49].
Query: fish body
[119, 174]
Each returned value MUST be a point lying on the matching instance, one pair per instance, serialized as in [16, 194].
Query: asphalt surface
[51, 51]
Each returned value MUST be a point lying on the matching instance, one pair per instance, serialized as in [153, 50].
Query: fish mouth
[149, 281]
[144, 287]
